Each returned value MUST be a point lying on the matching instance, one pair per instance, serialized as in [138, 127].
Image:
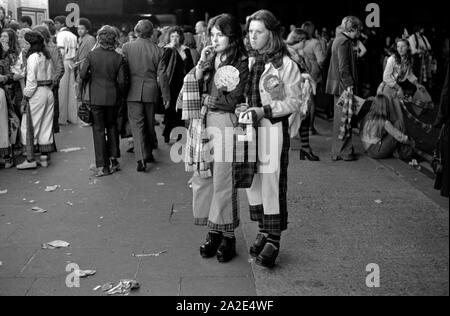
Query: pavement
[343, 217]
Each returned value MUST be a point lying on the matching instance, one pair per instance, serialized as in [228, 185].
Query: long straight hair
[13, 42]
[230, 27]
[378, 115]
[398, 58]
[277, 48]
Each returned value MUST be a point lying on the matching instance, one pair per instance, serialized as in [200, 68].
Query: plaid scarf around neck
[252, 88]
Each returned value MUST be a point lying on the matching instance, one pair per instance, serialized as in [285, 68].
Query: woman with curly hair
[176, 63]
[105, 69]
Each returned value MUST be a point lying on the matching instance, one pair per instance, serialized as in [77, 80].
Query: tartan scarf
[252, 87]
[189, 99]
[349, 107]
[198, 158]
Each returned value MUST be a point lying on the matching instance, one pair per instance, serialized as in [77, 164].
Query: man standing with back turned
[143, 57]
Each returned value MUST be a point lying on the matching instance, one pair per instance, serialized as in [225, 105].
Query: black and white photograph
[225, 155]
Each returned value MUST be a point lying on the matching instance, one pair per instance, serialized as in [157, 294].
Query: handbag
[84, 110]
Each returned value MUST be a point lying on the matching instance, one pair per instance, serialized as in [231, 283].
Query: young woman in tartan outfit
[273, 93]
[215, 200]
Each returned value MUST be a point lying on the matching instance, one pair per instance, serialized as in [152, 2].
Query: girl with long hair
[38, 103]
[398, 77]
[273, 94]
[8, 55]
[381, 136]
[11, 51]
[215, 200]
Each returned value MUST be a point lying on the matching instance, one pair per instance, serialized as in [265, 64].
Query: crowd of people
[47, 74]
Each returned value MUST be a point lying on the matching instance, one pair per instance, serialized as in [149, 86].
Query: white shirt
[39, 68]
[67, 42]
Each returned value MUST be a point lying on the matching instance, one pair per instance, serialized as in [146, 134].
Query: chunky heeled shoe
[268, 256]
[258, 246]
[212, 244]
[308, 155]
[227, 250]
[142, 167]
[43, 161]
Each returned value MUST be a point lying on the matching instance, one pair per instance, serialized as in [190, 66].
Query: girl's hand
[241, 108]
[259, 113]
[207, 53]
[17, 77]
[400, 93]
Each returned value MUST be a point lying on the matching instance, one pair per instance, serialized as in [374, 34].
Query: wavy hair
[37, 44]
[13, 41]
[178, 30]
[230, 27]
[107, 37]
[398, 58]
[277, 48]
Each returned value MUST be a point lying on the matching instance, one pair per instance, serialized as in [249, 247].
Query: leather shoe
[227, 250]
[142, 167]
[258, 246]
[209, 248]
[308, 155]
[268, 256]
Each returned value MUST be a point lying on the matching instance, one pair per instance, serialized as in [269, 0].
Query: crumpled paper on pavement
[149, 255]
[38, 210]
[123, 288]
[52, 188]
[73, 149]
[85, 273]
[55, 244]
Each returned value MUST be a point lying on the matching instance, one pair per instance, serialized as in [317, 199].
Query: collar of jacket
[268, 66]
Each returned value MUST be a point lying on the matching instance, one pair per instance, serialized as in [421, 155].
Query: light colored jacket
[284, 100]
[39, 68]
[394, 73]
[143, 58]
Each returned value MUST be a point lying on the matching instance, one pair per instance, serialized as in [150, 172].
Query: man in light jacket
[342, 76]
[143, 58]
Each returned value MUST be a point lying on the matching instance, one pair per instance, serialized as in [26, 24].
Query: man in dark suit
[107, 74]
[342, 76]
[143, 58]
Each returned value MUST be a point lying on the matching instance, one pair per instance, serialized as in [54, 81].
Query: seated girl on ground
[381, 137]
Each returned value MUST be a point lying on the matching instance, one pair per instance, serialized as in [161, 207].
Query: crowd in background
[49, 75]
